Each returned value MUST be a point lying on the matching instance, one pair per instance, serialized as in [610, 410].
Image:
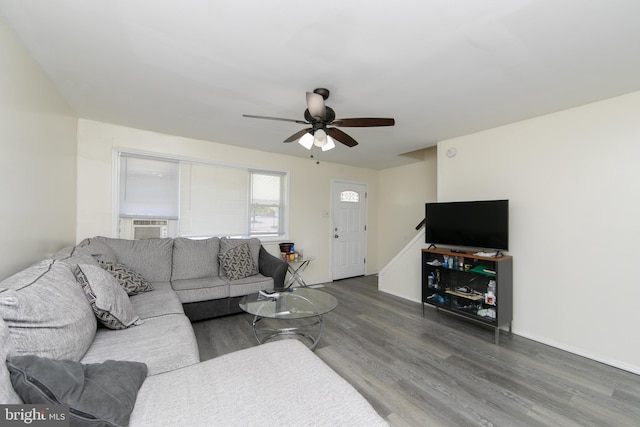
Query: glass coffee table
[296, 312]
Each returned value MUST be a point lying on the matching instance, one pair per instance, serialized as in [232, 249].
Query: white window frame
[282, 206]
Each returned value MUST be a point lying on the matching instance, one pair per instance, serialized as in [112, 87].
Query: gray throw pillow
[47, 312]
[101, 394]
[129, 279]
[108, 299]
[237, 263]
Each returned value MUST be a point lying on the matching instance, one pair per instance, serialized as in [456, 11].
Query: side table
[295, 269]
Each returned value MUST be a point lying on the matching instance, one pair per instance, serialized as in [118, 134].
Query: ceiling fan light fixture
[329, 145]
[306, 141]
[320, 138]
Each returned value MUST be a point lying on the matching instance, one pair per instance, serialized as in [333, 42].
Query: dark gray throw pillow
[129, 279]
[237, 263]
[99, 394]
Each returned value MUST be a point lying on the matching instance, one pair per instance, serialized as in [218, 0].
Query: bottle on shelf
[490, 296]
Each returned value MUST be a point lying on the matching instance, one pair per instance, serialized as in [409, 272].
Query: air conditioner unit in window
[133, 228]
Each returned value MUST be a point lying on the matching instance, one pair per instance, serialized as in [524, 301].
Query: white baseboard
[580, 352]
[395, 294]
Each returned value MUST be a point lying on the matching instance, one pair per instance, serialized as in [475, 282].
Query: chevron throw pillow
[237, 263]
[129, 279]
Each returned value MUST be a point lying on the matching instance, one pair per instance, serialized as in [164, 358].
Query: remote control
[269, 294]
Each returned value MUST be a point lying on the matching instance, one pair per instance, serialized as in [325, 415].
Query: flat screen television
[480, 224]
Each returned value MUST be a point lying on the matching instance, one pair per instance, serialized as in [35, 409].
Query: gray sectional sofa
[192, 269]
[125, 301]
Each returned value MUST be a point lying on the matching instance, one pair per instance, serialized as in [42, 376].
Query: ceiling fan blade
[298, 135]
[342, 137]
[364, 122]
[302, 122]
[315, 105]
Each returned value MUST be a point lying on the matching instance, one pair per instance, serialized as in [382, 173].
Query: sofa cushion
[163, 343]
[46, 312]
[97, 395]
[195, 259]
[108, 299]
[237, 263]
[254, 247]
[237, 389]
[131, 281]
[7, 393]
[249, 285]
[149, 257]
[208, 288]
[161, 301]
[98, 250]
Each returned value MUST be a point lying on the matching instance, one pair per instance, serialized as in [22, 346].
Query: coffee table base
[264, 334]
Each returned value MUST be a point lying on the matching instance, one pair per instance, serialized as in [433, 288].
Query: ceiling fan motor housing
[330, 116]
[322, 92]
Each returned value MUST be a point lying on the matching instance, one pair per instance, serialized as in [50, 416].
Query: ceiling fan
[319, 116]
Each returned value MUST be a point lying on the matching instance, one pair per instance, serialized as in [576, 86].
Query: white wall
[403, 192]
[37, 161]
[573, 180]
[310, 186]
[402, 276]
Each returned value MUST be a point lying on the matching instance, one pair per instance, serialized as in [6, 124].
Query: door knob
[336, 236]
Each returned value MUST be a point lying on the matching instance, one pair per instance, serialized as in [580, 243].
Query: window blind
[148, 187]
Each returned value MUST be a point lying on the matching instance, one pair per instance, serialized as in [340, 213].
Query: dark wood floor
[440, 370]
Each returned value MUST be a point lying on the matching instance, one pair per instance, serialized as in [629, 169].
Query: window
[349, 196]
[148, 187]
[213, 200]
[266, 203]
[206, 199]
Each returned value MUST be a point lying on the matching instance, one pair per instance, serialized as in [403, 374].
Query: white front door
[349, 229]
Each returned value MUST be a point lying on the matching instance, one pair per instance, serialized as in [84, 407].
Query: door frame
[332, 224]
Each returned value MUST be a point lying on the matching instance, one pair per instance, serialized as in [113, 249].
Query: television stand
[478, 288]
[458, 251]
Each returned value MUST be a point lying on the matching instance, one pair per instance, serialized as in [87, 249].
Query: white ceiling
[441, 68]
